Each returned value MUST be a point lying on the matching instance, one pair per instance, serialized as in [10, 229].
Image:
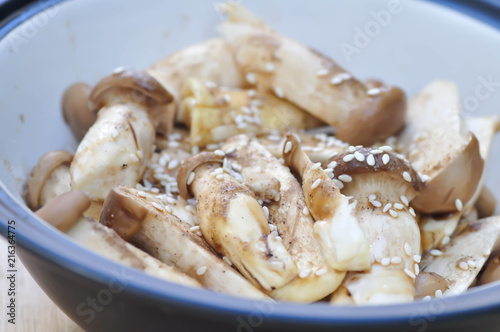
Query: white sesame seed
[438, 293]
[385, 261]
[387, 207]
[115, 133]
[372, 197]
[427, 298]
[322, 72]
[359, 156]
[141, 194]
[304, 274]
[173, 164]
[436, 252]
[279, 92]
[339, 78]
[407, 249]
[445, 240]
[220, 177]
[201, 271]
[230, 150]
[236, 167]
[158, 207]
[218, 171]
[168, 209]
[417, 269]
[332, 165]
[386, 158]
[316, 166]
[393, 213]
[155, 190]
[471, 263]
[321, 271]
[458, 204]
[270, 67]
[251, 93]
[373, 92]
[412, 212]
[173, 144]
[398, 206]
[351, 148]
[409, 273]
[118, 70]
[345, 178]
[227, 98]
[316, 184]
[417, 258]
[404, 199]
[376, 151]
[228, 262]
[194, 228]
[274, 233]
[305, 211]
[266, 211]
[386, 148]
[338, 183]
[407, 176]
[134, 158]
[219, 153]
[396, 260]
[288, 147]
[190, 178]
[463, 266]
[348, 157]
[370, 160]
[328, 171]
[251, 78]
[195, 149]
[376, 203]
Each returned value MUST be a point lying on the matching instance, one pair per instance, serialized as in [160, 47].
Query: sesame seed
[328, 171]
[385, 261]
[118, 70]
[288, 147]
[417, 269]
[376, 151]
[398, 206]
[438, 293]
[393, 213]
[445, 240]
[168, 209]
[427, 298]
[404, 199]
[201, 271]
[409, 273]
[370, 160]
[386, 159]
[173, 164]
[436, 252]
[218, 171]
[338, 183]
[386, 148]
[417, 258]
[236, 167]
[463, 266]
[304, 274]
[225, 259]
[173, 144]
[321, 271]
[348, 157]
[158, 207]
[270, 67]
[231, 150]
[134, 158]
[345, 178]
[190, 178]
[359, 156]
[339, 78]
[115, 133]
[407, 176]
[396, 260]
[251, 78]
[274, 233]
[458, 204]
[471, 263]
[194, 228]
[376, 203]
[407, 249]
[219, 153]
[141, 194]
[227, 98]
[305, 211]
[387, 207]
[195, 149]
[332, 165]
[351, 148]
[279, 92]
[412, 212]
[155, 190]
[220, 177]
[251, 93]
[322, 72]
[373, 92]
[372, 197]
[266, 211]
[316, 166]
[316, 184]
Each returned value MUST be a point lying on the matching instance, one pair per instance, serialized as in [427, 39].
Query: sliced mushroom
[336, 229]
[76, 111]
[486, 203]
[167, 238]
[65, 213]
[234, 223]
[283, 198]
[382, 184]
[117, 147]
[215, 114]
[312, 81]
[436, 230]
[210, 61]
[48, 179]
[428, 283]
[460, 261]
[440, 147]
[491, 271]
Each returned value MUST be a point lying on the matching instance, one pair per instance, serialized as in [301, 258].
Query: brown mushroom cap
[456, 180]
[395, 167]
[427, 283]
[138, 87]
[65, 210]
[377, 118]
[41, 172]
[122, 213]
[76, 111]
[491, 272]
[190, 165]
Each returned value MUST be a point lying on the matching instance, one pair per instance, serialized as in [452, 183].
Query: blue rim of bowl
[43, 240]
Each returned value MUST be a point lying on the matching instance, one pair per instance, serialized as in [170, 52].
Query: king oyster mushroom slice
[486, 203]
[382, 184]
[436, 230]
[117, 147]
[210, 61]
[336, 229]
[283, 198]
[491, 271]
[164, 236]
[66, 213]
[76, 111]
[234, 223]
[440, 147]
[312, 81]
[49, 178]
[460, 261]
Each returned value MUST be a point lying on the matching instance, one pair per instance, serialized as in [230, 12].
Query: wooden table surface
[34, 310]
